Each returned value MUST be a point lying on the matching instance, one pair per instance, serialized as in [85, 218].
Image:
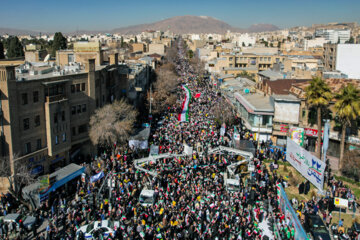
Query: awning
[55, 82]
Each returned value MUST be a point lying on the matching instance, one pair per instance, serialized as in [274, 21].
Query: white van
[147, 197]
[232, 185]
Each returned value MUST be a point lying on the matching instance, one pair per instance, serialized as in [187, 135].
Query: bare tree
[164, 89]
[112, 123]
[18, 177]
[223, 112]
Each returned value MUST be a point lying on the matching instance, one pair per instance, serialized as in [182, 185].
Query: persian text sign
[341, 202]
[308, 165]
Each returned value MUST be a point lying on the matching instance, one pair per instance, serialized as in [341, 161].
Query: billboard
[308, 165]
[297, 135]
[288, 211]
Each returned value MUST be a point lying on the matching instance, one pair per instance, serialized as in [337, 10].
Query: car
[316, 227]
[98, 229]
[28, 221]
[147, 197]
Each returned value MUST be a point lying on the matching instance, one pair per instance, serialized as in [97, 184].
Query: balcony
[55, 98]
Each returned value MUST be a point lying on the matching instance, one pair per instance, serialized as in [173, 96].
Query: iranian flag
[184, 115]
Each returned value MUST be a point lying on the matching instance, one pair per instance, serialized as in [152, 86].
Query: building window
[24, 99]
[73, 110]
[78, 87]
[84, 108]
[27, 148]
[26, 123]
[73, 131]
[37, 120]
[55, 118]
[36, 96]
[72, 88]
[64, 137]
[83, 87]
[63, 115]
[56, 140]
[71, 58]
[79, 109]
[82, 128]
[38, 144]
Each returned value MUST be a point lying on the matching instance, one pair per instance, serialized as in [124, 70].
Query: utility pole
[258, 138]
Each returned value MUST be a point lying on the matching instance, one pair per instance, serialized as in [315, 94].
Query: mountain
[12, 31]
[262, 27]
[192, 24]
[178, 25]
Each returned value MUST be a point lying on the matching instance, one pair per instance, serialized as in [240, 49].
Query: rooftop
[255, 102]
[273, 75]
[282, 86]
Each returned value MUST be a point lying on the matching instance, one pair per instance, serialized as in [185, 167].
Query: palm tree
[318, 95]
[347, 107]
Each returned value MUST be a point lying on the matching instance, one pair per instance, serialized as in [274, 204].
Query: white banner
[308, 165]
[136, 144]
[188, 150]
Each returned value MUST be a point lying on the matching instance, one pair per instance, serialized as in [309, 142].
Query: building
[138, 47]
[158, 48]
[334, 35]
[329, 57]
[348, 60]
[46, 111]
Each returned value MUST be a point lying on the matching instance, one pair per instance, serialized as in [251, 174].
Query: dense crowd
[192, 201]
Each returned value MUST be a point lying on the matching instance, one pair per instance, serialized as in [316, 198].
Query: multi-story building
[329, 57]
[45, 111]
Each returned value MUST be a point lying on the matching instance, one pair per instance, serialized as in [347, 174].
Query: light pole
[258, 138]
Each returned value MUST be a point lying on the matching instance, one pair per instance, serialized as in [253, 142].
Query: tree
[223, 112]
[243, 44]
[318, 95]
[18, 176]
[122, 41]
[271, 45]
[112, 123]
[136, 39]
[190, 54]
[279, 45]
[351, 164]
[58, 43]
[347, 107]
[2, 56]
[15, 49]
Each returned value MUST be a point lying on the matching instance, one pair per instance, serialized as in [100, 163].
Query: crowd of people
[191, 197]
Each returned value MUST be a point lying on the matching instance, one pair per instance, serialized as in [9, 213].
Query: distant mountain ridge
[179, 25]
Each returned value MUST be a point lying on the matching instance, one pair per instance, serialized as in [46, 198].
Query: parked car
[98, 230]
[28, 221]
[316, 227]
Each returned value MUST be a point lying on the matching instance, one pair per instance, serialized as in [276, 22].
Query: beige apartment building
[45, 114]
[329, 56]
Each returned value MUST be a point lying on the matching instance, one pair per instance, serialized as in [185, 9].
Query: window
[24, 99]
[37, 120]
[303, 113]
[82, 128]
[55, 118]
[72, 88]
[38, 144]
[97, 103]
[73, 110]
[56, 140]
[36, 96]
[83, 87]
[71, 58]
[64, 137]
[27, 148]
[79, 109]
[84, 108]
[73, 131]
[26, 123]
[63, 115]
[78, 87]
[230, 59]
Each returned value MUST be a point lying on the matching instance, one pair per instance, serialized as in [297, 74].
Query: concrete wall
[348, 59]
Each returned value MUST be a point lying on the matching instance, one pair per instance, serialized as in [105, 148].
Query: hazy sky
[67, 16]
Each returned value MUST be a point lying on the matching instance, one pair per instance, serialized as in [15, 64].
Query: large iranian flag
[184, 115]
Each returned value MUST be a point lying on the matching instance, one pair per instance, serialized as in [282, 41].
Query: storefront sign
[308, 165]
[284, 128]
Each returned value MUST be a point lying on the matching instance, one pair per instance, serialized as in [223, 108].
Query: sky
[70, 16]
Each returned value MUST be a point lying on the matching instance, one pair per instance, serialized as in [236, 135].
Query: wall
[348, 59]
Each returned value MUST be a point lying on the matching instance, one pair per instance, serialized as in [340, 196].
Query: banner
[297, 135]
[137, 144]
[308, 165]
[288, 211]
[96, 177]
[223, 129]
[184, 115]
[188, 150]
[154, 150]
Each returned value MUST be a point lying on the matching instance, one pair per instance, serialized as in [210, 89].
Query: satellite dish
[46, 59]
